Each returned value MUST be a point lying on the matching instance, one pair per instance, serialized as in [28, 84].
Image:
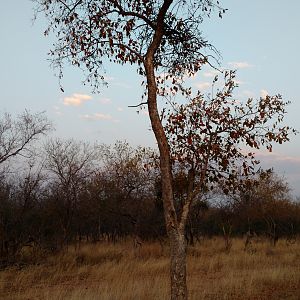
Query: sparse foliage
[71, 164]
[216, 138]
[164, 40]
[91, 33]
[17, 135]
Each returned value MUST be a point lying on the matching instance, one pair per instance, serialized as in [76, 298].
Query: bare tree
[266, 201]
[130, 171]
[18, 135]
[19, 201]
[70, 164]
[130, 168]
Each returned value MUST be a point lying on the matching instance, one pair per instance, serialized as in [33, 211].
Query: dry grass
[106, 271]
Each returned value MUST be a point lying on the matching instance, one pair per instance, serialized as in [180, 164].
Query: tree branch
[142, 103]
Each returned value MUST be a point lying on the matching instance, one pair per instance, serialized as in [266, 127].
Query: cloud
[239, 64]
[57, 110]
[203, 85]
[120, 108]
[97, 116]
[76, 99]
[211, 73]
[105, 100]
[264, 93]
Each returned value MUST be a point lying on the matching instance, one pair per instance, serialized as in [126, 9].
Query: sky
[258, 38]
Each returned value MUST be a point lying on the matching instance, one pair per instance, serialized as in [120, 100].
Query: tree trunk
[178, 265]
[175, 234]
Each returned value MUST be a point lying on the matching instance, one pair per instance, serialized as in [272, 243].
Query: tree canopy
[90, 33]
[164, 40]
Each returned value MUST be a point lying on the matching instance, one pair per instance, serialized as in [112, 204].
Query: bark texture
[178, 265]
[176, 236]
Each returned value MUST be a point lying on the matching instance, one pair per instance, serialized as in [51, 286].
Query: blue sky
[259, 38]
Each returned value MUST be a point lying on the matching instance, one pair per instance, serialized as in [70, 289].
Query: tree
[266, 205]
[19, 209]
[130, 172]
[16, 136]
[71, 164]
[128, 167]
[163, 39]
[213, 139]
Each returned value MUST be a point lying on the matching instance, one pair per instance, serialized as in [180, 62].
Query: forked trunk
[178, 266]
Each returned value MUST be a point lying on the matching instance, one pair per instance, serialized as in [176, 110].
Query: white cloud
[264, 93]
[105, 100]
[203, 85]
[57, 110]
[120, 108]
[76, 99]
[97, 116]
[239, 64]
[211, 73]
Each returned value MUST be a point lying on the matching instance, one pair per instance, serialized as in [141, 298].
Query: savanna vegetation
[74, 209]
[63, 192]
[121, 272]
[81, 221]
[201, 140]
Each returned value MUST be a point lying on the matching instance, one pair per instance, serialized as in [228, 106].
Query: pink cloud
[76, 99]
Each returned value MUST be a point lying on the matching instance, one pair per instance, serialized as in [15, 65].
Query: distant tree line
[64, 192]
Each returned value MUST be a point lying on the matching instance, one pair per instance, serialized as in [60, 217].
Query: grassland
[120, 271]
